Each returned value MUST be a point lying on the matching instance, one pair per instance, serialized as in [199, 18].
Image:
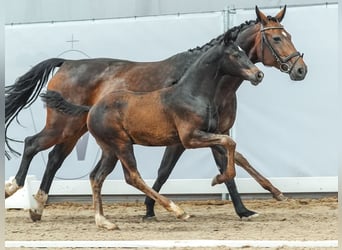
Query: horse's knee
[228, 142]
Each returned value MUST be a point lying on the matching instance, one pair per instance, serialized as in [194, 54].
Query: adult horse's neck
[248, 37]
[204, 75]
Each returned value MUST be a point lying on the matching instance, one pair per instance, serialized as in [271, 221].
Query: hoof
[11, 188]
[109, 226]
[147, 218]
[248, 214]
[184, 216]
[214, 181]
[249, 217]
[280, 197]
[35, 215]
[102, 222]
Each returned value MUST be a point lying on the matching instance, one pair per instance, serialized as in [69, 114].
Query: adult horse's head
[235, 62]
[272, 45]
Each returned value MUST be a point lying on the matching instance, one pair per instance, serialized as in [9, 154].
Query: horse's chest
[227, 114]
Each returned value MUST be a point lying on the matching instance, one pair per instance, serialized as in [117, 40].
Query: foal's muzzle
[258, 76]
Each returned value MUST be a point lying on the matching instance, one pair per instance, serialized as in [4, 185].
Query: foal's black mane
[232, 33]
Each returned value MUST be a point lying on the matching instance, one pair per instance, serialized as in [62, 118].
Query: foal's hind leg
[200, 139]
[102, 169]
[133, 178]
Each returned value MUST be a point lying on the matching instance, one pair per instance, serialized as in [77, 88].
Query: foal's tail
[55, 100]
[25, 91]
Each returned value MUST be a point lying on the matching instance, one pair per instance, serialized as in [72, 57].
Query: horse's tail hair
[55, 100]
[26, 90]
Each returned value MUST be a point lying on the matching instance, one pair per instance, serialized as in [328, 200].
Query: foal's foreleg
[200, 139]
[221, 162]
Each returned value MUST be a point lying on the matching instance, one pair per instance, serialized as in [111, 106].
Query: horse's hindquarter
[87, 81]
[84, 81]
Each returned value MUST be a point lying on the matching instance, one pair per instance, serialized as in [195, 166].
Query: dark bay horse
[185, 113]
[85, 81]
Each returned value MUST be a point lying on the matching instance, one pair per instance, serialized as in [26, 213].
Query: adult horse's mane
[232, 33]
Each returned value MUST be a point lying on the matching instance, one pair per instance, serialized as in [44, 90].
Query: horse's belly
[151, 137]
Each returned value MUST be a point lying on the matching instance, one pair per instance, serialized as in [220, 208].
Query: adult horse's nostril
[300, 71]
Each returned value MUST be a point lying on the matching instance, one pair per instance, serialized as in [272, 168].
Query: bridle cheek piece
[283, 62]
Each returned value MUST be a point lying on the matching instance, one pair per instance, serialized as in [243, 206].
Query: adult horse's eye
[277, 39]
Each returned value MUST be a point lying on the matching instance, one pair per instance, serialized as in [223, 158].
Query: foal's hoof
[214, 181]
[280, 197]
[109, 226]
[184, 216]
[102, 222]
[35, 215]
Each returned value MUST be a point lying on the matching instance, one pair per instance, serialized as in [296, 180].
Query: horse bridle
[283, 62]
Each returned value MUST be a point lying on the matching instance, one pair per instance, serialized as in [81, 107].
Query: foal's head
[235, 62]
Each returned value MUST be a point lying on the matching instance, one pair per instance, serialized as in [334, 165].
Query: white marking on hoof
[254, 215]
[180, 214]
[250, 217]
[36, 210]
[184, 216]
[214, 181]
[281, 197]
[11, 188]
[102, 222]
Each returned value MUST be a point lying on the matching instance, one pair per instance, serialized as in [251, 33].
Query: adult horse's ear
[260, 16]
[281, 14]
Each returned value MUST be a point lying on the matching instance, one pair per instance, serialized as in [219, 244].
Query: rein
[283, 62]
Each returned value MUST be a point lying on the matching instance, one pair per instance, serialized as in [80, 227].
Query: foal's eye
[276, 39]
[235, 54]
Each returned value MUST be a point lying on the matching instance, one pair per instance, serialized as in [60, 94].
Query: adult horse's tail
[25, 91]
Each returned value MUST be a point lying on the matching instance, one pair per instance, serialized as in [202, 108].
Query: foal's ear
[261, 16]
[281, 14]
[228, 38]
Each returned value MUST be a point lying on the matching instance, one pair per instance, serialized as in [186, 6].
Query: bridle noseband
[283, 62]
